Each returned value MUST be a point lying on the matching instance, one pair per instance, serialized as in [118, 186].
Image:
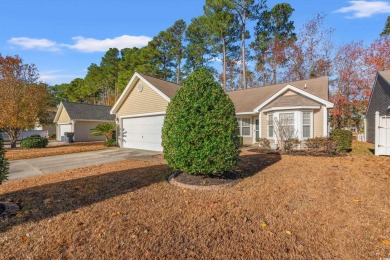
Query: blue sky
[63, 37]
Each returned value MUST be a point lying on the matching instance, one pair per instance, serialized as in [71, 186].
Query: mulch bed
[204, 182]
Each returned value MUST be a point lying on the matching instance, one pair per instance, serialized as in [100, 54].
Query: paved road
[21, 169]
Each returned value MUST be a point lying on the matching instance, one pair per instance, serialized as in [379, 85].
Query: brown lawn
[19, 153]
[290, 208]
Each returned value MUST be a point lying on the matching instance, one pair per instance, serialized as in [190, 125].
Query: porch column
[325, 122]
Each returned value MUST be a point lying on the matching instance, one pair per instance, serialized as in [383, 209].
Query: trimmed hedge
[343, 139]
[200, 129]
[4, 165]
[325, 144]
[34, 142]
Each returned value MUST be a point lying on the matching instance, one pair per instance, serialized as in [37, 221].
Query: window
[245, 126]
[287, 121]
[270, 123]
[306, 124]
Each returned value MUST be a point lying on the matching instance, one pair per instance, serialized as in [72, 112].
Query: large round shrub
[199, 135]
[34, 142]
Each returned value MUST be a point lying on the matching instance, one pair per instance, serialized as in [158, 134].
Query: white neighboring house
[80, 119]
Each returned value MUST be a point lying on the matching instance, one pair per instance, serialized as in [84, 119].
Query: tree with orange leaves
[352, 86]
[22, 98]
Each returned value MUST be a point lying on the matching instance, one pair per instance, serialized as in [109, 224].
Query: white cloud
[94, 45]
[363, 9]
[31, 43]
[55, 77]
[82, 44]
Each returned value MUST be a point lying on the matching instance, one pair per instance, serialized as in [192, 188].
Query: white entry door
[63, 129]
[142, 132]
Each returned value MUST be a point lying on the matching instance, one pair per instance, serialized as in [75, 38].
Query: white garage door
[63, 129]
[142, 132]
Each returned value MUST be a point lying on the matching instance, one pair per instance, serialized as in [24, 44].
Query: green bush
[34, 142]
[343, 139]
[199, 135]
[110, 142]
[264, 143]
[241, 140]
[4, 166]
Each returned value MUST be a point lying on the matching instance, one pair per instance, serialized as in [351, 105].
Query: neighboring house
[141, 108]
[379, 101]
[80, 119]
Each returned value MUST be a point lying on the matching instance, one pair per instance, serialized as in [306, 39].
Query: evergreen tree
[274, 33]
[386, 30]
[200, 129]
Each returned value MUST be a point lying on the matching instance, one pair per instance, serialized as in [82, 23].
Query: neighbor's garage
[142, 132]
[62, 130]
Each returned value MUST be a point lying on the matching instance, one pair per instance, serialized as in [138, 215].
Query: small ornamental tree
[3, 162]
[199, 135]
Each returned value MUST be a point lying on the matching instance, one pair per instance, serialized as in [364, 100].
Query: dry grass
[20, 153]
[290, 208]
[362, 149]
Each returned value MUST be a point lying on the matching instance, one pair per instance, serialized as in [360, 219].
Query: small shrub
[200, 129]
[53, 136]
[34, 142]
[343, 139]
[264, 143]
[110, 143]
[290, 144]
[324, 144]
[4, 165]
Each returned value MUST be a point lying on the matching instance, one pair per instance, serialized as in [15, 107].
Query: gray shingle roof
[78, 111]
[247, 100]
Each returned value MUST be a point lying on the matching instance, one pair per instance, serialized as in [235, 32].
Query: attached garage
[142, 132]
[80, 119]
[140, 111]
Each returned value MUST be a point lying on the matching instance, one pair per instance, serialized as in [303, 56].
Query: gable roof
[164, 88]
[311, 91]
[78, 111]
[249, 99]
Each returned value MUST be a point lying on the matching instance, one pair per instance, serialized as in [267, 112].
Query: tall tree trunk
[224, 63]
[274, 73]
[243, 45]
[178, 71]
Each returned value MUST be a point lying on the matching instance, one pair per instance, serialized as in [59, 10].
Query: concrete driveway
[21, 169]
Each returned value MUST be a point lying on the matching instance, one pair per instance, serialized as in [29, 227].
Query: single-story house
[80, 119]
[379, 101]
[141, 108]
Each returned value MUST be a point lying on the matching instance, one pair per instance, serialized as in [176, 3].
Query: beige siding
[289, 93]
[318, 122]
[82, 130]
[146, 101]
[64, 117]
